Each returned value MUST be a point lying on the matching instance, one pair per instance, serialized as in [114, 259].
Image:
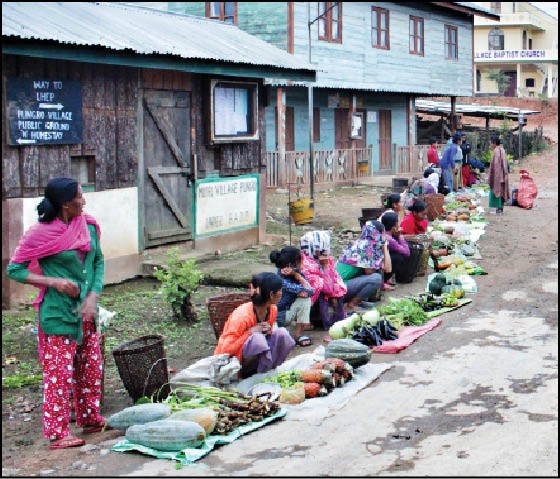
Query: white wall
[116, 211]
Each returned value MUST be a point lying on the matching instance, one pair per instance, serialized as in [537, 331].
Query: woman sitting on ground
[392, 203]
[397, 245]
[362, 264]
[422, 187]
[318, 267]
[415, 222]
[250, 333]
[295, 305]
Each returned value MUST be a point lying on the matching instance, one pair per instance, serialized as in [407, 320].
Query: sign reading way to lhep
[44, 112]
[226, 204]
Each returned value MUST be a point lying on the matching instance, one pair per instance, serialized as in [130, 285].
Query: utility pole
[521, 120]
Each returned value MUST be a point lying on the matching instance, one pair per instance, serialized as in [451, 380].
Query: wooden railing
[329, 166]
[413, 159]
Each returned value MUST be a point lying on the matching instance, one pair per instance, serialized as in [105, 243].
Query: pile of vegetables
[431, 302]
[403, 312]
[188, 414]
[319, 380]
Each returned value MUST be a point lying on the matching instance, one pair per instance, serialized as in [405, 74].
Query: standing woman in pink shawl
[61, 255]
[498, 177]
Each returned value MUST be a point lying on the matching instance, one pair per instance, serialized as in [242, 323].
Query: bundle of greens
[403, 312]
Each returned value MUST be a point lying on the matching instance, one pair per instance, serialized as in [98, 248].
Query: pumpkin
[167, 435]
[203, 416]
[349, 350]
[140, 414]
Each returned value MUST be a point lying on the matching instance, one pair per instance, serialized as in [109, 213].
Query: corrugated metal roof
[122, 27]
[477, 8]
[472, 109]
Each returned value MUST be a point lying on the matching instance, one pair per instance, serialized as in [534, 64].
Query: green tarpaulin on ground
[188, 456]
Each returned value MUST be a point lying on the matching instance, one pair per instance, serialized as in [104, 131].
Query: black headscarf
[392, 199]
[57, 192]
[389, 220]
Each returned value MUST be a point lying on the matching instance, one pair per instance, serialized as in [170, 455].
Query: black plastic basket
[142, 366]
[412, 263]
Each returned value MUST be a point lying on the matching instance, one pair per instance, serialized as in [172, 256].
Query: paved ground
[477, 396]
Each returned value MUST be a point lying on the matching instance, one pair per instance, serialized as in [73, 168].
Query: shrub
[179, 279]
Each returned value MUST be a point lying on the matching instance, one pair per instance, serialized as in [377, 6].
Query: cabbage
[342, 329]
[371, 317]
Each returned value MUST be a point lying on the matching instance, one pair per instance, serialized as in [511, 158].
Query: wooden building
[161, 117]
[373, 59]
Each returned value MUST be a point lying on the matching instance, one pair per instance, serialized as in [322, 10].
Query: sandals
[303, 341]
[68, 441]
[91, 428]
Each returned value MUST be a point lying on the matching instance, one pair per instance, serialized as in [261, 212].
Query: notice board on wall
[44, 112]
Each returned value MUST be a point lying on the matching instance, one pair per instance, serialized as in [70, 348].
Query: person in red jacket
[433, 157]
[415, 222]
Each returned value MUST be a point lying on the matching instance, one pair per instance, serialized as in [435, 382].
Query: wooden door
[341, 129]
[512, 86]
[290, 130]
[166, 193]
[385, 147]
[362, 143]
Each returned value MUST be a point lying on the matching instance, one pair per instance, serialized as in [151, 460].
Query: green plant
[502, 80]
[179, 279]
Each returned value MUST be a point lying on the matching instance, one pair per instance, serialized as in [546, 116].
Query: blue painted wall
[296, 97]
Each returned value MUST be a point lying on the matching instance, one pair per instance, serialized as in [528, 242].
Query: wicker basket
[435, 205]
[220, 307]
[425, 244]
[142, 366]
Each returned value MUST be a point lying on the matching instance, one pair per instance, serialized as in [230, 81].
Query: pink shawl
[46, 239]
[327, 281]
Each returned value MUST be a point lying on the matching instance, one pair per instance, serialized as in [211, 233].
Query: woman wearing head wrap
[319, 269]
[61, 255]
[251, 334]
[397, 245]
[415, 222]
[362, 264]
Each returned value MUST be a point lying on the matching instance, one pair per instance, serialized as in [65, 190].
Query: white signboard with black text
[226, 204]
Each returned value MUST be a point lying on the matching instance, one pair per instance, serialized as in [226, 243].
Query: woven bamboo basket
[220, 307]
[435, 205]
[142, 366]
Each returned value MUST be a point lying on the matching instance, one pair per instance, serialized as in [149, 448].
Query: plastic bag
[224, 369]
[219, 369]
[527, 190]
[293, 395]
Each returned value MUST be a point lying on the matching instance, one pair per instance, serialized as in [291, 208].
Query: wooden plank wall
[109, 99]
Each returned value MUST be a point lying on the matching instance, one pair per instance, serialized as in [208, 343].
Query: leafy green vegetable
[408, 311]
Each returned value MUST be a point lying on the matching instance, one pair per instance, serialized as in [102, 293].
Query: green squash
[167, 435]
[140, 414]
[349, 350]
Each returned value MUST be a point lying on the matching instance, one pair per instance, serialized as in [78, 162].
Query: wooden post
[281, 136]
[453, 114]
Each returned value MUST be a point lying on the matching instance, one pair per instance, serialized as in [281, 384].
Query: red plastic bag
[527, 190]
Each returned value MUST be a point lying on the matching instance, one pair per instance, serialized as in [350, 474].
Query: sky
[549, 7]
